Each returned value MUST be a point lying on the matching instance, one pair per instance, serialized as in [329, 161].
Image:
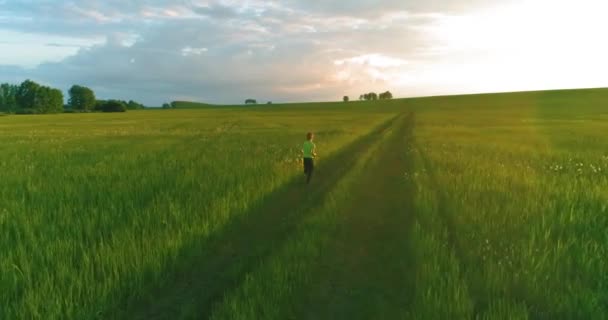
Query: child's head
[310, 136]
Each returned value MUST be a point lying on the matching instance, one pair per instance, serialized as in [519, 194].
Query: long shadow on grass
[205, 275]
[367, 269]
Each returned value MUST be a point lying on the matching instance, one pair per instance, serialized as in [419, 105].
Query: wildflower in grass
[593, 168]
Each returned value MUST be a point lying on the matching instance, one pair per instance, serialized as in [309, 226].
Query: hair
[309, 135]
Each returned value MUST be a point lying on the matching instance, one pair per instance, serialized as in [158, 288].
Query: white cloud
[374, 60]
[189, 51]
[30, 50]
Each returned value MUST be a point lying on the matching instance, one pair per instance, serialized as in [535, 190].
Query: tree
[372, 96]
[345, 99]
[48, 100]
[81, 98]
[251, 101]
[26, 95]
[33, 98]
[8, 97]
[386, 96]
[57, 100]
[166, 106]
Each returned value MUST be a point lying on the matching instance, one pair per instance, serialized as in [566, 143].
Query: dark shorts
[309, 165]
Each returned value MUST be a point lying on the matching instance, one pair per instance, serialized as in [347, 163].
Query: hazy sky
[224, 51]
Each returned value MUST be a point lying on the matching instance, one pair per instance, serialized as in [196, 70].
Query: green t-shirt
[308, 149]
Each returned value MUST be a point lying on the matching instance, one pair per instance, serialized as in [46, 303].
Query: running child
[310, 152]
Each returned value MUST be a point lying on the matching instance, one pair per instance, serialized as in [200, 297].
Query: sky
[225, 51]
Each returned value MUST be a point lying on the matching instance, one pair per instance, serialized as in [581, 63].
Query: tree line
[30, 97]
[372, 96]
[254, 101]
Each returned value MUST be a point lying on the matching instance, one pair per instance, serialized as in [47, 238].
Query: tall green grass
[95, 208]
[508, 205]
[509, 216]
[513, 191]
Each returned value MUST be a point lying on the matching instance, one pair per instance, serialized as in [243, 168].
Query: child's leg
[311, 169]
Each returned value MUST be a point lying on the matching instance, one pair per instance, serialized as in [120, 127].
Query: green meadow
[463, 207]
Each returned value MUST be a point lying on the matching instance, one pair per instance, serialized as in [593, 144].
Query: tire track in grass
[366, 270]
[482, 304]
[446, 219]
[442, 292]
[206, 275]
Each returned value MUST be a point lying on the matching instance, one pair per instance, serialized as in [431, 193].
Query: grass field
[484, 206]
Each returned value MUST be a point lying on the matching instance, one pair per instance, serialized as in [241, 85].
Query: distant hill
[575, 96]
[191, 105]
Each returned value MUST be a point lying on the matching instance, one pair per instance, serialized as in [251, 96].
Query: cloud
[188, 51]
[366, 8]
[373, 60]
[217, 51]
[218, 11]
[225, 51]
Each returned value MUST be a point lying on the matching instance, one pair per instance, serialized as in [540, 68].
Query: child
[310, 152]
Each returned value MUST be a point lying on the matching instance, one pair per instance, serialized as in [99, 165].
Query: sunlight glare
[527, 45]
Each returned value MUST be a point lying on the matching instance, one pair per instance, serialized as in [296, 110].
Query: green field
[482, 206]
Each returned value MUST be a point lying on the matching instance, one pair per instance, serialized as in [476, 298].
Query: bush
[113, 106]
[134, 105]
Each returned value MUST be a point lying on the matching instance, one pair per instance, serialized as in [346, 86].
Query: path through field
[366, 271]
[356, 268]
